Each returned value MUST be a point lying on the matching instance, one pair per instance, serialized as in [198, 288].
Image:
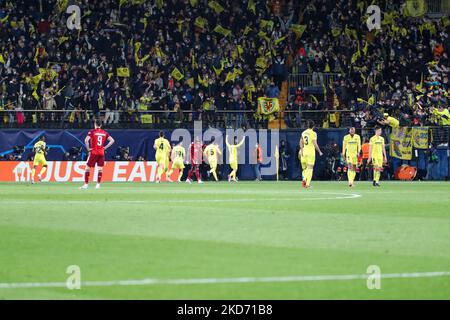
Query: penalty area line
[194, 281]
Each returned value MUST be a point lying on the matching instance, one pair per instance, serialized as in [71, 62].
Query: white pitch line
[343, 196]
[150, 282]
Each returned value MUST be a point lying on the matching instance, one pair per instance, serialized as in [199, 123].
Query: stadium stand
[166, 63]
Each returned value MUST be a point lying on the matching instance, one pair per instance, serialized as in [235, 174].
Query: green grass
[221, 230]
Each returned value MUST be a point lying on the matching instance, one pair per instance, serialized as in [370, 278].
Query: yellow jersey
[377, 145]
[179, 153]
[162, 145]
[308, 136]
[351, 145]
[39, 148]
[394, 123]
[212, 151]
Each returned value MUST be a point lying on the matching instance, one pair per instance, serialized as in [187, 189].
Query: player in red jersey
[96, 152]
[196, 154]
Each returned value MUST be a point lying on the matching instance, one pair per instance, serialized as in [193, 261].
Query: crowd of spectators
[401, 69]
[178, 55]
[192, 59]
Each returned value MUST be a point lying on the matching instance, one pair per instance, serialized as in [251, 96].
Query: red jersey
[98, 139]
[196, 151]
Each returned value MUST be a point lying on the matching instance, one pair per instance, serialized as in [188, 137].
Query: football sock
[308, 176]
[86, 177]
[99, 177]
[43, 170]
[197, 174]
[214, 174]
[376, 175]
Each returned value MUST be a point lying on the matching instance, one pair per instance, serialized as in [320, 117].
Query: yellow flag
[366, 48]
[371, 100]
[194, 3]
[298, 29]
[280, 40]
[221, 30]
[247, 30]
[2, 21]
[230, 76]
[62, 39]
[261, 63]
[123, 72]
[122, 2]
[200, 22]
[415, 8]
[176, 74]
[251, 6]
[263, 35]
[215, 6]
[159, 4]
[314, 99]
[2, 60]
[203, 82]
[190, 83]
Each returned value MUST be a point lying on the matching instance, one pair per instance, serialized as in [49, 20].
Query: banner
[420, 137]
[268, 105]
[415, 8]
[401, 143]
[73, 171]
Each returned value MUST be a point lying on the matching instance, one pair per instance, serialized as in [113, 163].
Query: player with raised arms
[162, 147]
[377, 155]
[95, 145]
[351, 147]
[233, 150]
[308, 147]
[40, 151]
[212, 151]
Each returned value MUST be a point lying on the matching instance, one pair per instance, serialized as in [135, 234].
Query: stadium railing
[311, 79]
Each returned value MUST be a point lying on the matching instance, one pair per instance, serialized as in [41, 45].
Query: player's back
[179, 152]
[211, 150]
[308, 136]
[162, 145]
[98, 138]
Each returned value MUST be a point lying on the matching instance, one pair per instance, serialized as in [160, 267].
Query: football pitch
[247, 240]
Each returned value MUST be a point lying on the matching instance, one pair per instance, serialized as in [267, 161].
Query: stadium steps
[278, 122]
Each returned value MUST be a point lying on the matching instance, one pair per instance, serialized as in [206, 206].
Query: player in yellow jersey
[178, 156]
[212, 152]
[233, 150]
[308, 147]
[40, 150]
[377, 155]
[351, 147]
[162, 147]
[389, 121]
